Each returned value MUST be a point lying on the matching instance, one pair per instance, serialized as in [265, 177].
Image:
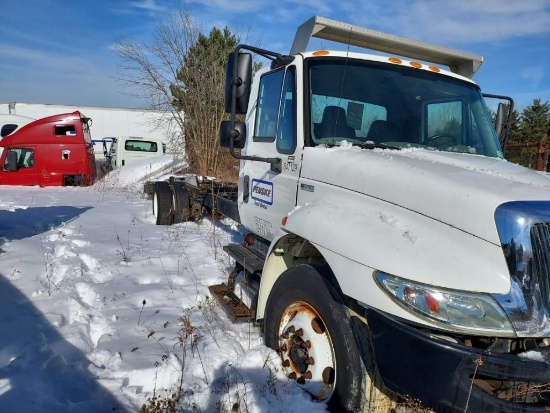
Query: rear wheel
[309, 327]
[162, 203]
[182, 206]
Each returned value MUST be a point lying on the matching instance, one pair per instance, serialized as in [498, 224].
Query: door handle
[246, 188]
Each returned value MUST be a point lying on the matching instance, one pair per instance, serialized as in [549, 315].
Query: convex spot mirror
[226, 134]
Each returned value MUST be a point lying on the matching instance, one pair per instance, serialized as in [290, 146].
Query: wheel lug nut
[306, 344]
[283, 348]
[301, 380]
[300, 332]
[292, 376]
[307, 375]
[290, 329]
[309, 361]
[286, 363]
[284, 335]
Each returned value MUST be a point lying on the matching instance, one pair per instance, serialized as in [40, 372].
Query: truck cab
[52, 151]
[353, 102]
[123, 150]
[396, 231]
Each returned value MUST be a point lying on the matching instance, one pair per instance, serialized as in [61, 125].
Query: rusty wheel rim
[306, 350]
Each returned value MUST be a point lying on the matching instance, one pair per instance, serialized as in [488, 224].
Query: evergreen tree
[535, 120]
[199, 94]
[529, 127]
[517, 155]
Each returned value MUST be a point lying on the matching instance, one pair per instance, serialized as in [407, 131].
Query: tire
[303, 299]
[162, 203]
[182, 206]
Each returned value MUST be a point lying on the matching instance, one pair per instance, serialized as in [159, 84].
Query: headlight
[465, 312]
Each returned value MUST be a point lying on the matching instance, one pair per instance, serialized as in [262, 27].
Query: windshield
[385, 105]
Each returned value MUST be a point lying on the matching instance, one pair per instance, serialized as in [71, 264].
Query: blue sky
[61, 52]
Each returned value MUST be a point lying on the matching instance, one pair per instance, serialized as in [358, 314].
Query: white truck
[393, 251]
[123, 150]
[9, 123]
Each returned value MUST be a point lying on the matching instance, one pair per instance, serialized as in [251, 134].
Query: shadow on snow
[22, 223]
[39, 369]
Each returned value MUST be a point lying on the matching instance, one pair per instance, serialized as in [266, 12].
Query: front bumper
[439, 373]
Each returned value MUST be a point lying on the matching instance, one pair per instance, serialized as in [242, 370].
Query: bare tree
[149, 70]
[182, 72]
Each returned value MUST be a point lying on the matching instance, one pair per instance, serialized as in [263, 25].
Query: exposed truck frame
[392, 251]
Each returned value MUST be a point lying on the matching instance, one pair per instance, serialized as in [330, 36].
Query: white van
[9, 123]
[127, 149]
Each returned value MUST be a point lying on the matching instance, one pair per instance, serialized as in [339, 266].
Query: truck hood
[461, 190]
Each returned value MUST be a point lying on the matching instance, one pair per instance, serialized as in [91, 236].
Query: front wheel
[309, 327]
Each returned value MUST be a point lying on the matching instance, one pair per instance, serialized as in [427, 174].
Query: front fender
[363, 234]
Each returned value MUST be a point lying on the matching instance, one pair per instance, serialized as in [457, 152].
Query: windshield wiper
[373, 145]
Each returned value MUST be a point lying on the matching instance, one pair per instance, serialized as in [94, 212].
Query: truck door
[268, 196]
[110, 158]
[25, 172]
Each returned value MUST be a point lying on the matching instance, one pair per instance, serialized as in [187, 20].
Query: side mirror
[11, 161]
[226, 134]
[500, 118]
[503, 118]
[242, 78]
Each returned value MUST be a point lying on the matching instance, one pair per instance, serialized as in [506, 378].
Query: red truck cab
[52, 151]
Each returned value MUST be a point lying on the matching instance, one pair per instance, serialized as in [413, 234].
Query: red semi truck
[52, 151]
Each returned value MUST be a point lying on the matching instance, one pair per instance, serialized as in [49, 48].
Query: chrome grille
[524, 231]
[540, 240]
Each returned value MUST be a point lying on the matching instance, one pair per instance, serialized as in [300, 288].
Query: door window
[25, 158]
[268, 106]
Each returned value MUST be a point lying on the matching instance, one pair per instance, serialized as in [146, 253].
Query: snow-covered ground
[100, 309]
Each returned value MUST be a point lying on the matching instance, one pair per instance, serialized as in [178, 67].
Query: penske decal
[262, 191]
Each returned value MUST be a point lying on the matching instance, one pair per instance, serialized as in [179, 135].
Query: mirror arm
[276, 163]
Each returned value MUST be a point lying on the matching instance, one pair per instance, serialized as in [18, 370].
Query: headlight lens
[464, 311]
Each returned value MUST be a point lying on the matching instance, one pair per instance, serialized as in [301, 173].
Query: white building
[106, 122]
